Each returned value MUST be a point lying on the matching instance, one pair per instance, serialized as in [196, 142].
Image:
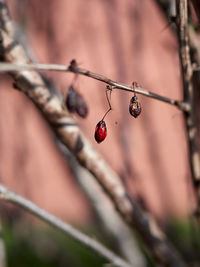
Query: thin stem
[110, 108]
[109, 89]
[10, 196]
[75, 69]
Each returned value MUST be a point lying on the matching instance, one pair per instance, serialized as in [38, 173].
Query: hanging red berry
[71, 99]
[100, 131]
[135, 107]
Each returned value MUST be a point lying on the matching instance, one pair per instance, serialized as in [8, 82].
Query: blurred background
[126, 41]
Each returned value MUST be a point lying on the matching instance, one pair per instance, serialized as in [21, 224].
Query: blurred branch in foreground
[109, 218]
[188, 90]
[188, 36]
[2, 250]
[7, 195]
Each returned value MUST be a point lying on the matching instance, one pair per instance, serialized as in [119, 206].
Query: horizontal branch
[10, 196]
[75, 69]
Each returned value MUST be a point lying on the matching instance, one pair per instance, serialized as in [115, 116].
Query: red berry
[135, 107]
[100, 131]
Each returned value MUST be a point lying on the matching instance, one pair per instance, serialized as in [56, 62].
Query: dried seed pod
[135, 107]
[71, 99]
[100, 131]
[81, 106]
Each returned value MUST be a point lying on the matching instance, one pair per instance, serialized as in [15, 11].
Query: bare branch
[32, 84]
[107, 215]
[8, 195]
[32, 66]
[75, 69]
[187, 71]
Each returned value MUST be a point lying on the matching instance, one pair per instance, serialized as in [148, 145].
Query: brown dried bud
[71, 99]
[73, 65]
[76, 103]
[81, 106]
[135, 107]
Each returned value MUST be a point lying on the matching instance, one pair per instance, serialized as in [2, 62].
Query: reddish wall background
[123, 40]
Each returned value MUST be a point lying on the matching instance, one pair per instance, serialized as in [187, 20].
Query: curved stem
[110, 107]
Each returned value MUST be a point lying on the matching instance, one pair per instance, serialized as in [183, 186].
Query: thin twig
[187, 71]
[32, 66]
[10, 196]
[108, 100]
[75, 69]
[31, 83]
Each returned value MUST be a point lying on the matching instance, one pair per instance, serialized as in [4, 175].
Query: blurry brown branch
[75, 69]
[107, 216]
[8, 195]
[50, 105]
[188, 89]
[2, 249]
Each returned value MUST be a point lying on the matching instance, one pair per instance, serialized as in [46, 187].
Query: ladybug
[135, 107]
[100, 131]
